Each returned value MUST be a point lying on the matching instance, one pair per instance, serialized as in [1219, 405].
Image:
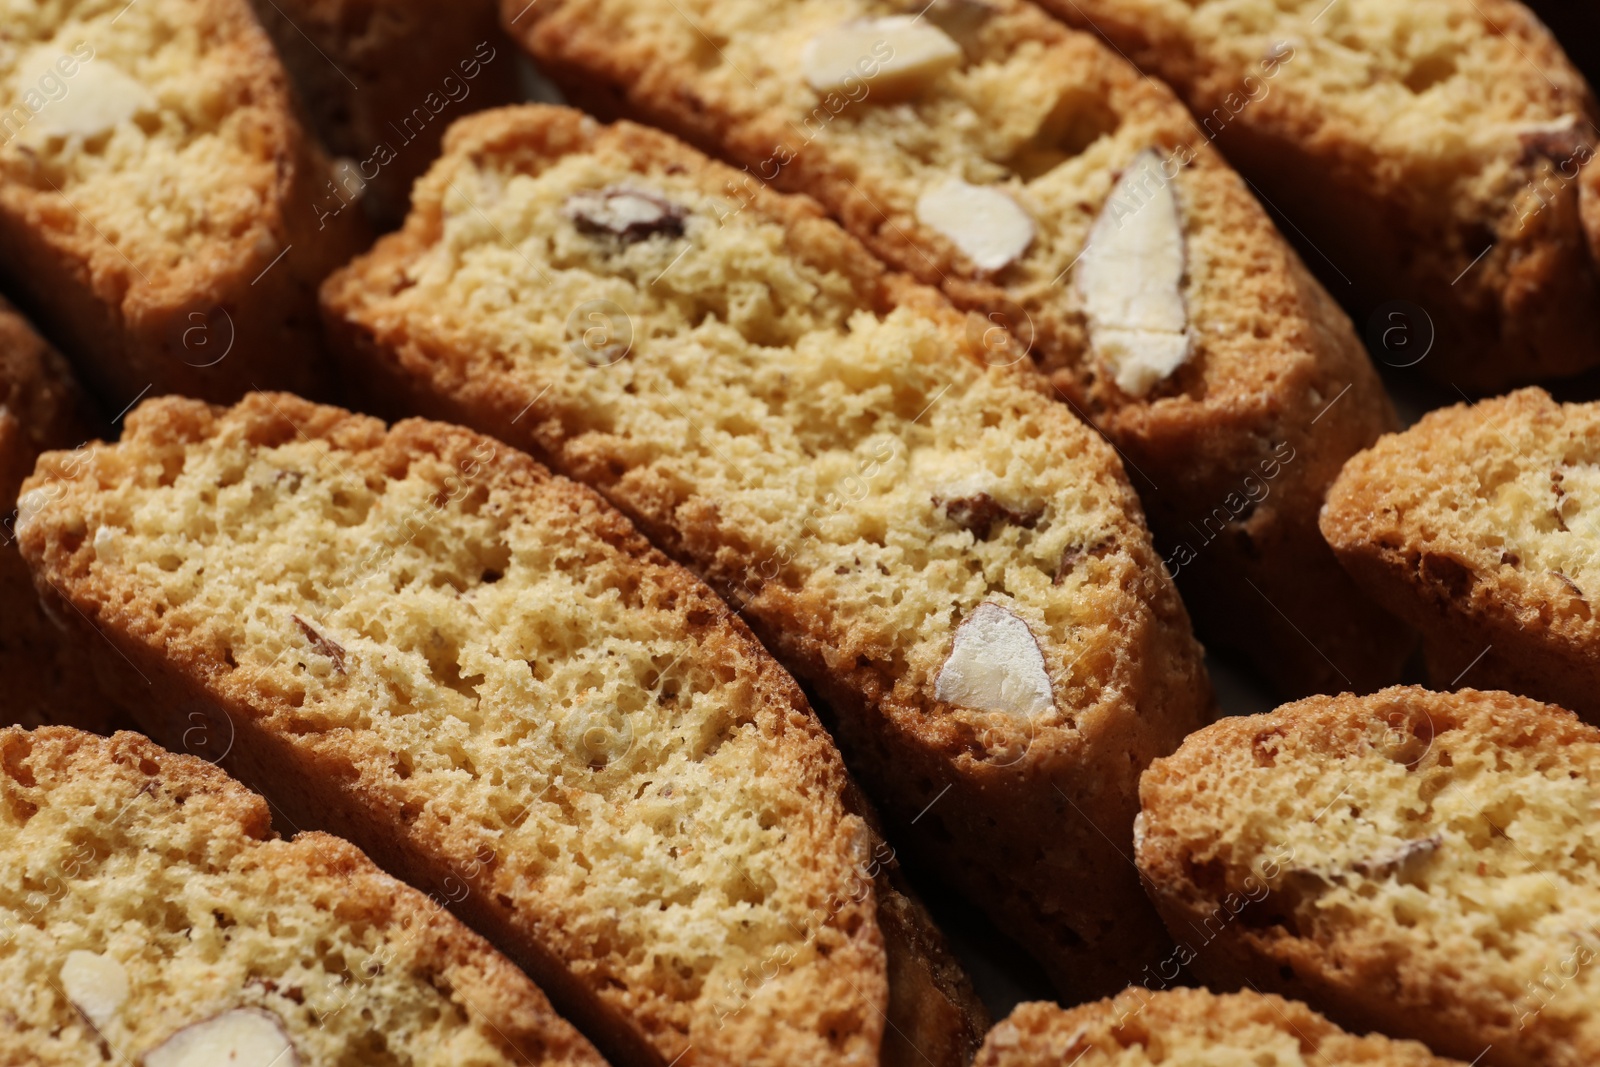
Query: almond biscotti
[1036, 177]
[1426, 152]
[483, 676]
[1412, 862]
[954, 562]
[41, 408]
[149, 915]
[1188, 1028]
[382, 81]
[1479, 525]
[158, 197]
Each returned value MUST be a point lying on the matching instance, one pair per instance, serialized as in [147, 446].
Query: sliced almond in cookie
[99, 97]
[987, 225]
[630, 214]
[897, 54]
[1130, 279]
[240, 1037]
[97, 985]
[995, 665]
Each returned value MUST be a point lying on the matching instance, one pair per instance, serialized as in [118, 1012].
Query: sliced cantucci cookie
[151, 916]
[1188, 1028]
[160, 204]
[481, 674]
[954, 562]
[1427, 152]
[41, 408]
[1481, 526]
[1046, 185]
[1410, 862]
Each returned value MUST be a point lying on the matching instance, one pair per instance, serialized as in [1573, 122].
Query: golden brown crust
[1388, 135]
[41, 408]
[345, 775]
[1370, 855]
[934, 1015]
[1189, 1025]
[1273, 352]
[1474, 526]
[958, 776]
[504, 1016]
[224, 316]
[382, 82]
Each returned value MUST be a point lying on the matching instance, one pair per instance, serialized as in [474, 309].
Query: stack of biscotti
[1036, 177]
[954, 562]
[1427, 152]
[149, 915]
[1479, 525]
[1412, 862]
[161, 209]
[486, 678]
[383, 80]
[41, 408]
[1188, 1028]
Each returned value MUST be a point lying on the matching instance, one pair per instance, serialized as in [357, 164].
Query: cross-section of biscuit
[1411, 862]
[953, 561]
[483, 675]
[149, 915]
[1189, 1028]
[382, 81]
[1043, 183]
[1426, 151]
[158, 197]
[41, 408]
[1480, 525]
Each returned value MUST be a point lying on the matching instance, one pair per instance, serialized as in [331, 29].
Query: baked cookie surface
[955, 563]
[1429, 151]
[208, 291]
[149, 914]
[481, 673]
[1188, 1028]
[1479, 526]
[1040, 181]
[1411, 862]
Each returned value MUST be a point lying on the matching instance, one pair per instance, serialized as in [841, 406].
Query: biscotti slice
[1043, 183]
[1479, 525]
[1188, 1028]
[162, 211]
[383, 79]
[1424, 152]
[41, 408]
[954, 562]
[1412, 862]
[150, 915]
[482, 675]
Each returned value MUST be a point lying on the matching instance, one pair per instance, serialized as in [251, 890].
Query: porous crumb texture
[1051, 119]
[482, 675]
[112, 107]
[166, 873]
[40, 408]
[1403, 141]
[383, 80]
[1412, 862]
[1188, 1028]
[1478, 524]
[853, 478]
